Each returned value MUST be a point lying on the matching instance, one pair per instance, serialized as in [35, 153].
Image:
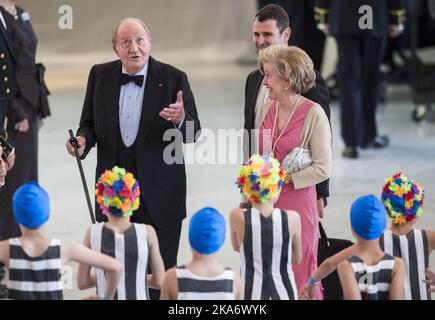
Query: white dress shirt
[130, 107]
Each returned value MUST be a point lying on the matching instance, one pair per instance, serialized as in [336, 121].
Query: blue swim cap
[207, 231]
[368, 217]
[31, 205]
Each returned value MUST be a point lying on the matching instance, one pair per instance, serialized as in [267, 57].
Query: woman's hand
[321, 208]
[288, 179]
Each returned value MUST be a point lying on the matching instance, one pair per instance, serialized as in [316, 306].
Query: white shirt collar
[142, 72]
[3, 21]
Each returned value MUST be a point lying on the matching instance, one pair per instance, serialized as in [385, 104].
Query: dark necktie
[126, 78]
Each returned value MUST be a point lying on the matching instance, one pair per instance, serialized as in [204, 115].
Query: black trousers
[359, 59]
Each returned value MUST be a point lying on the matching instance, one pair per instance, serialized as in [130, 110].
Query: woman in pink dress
[293, 121]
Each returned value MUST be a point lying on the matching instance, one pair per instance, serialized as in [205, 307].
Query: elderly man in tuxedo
[129, 105]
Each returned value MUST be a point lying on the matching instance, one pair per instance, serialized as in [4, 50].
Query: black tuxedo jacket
[163, 186]
[318, 94]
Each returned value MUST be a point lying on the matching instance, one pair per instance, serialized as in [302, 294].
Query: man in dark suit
[361, 28]
[271, 26]
[305, 34]
[129, 106]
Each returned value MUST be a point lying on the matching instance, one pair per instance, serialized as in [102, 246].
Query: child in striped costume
[370, 274]
[35, 262]
[268, 238]
[403, 200]
[204, 278]
[134, 245]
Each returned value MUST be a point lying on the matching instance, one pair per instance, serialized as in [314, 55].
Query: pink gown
[303, 201]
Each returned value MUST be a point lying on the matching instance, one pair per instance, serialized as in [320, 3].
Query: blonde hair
[115, 31]
[292, 64]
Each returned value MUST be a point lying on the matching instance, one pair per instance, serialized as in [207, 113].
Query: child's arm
[155, 279]
[348, 282]
[430, 234]
[295, 228]
[170, 286]
[325, 269]
[397, 290]
[237, 287]
[234, 223]
[85, 279]
[72, 251]
[4, 252]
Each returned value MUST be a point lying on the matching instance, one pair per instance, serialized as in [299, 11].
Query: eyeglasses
[128, 42]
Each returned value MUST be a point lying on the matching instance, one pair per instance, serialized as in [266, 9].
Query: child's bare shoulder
[236, 214]
[149, 228]
[293, 215]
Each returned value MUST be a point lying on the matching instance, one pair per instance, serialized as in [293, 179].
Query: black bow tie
[126, 78]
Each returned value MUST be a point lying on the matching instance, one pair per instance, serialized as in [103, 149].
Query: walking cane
[74, 143]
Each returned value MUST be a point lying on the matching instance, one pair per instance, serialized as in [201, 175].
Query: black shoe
[377, 143]
[350, 152]
[2, 271]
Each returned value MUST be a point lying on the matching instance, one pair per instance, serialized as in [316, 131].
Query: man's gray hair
[115, 32]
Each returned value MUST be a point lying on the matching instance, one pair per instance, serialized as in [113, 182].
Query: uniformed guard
[7, 92]
[361, 28]
[7, 78]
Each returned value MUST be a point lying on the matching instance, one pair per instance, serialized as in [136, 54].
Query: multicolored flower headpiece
[403, 198]
[261, 178]
[118, 192]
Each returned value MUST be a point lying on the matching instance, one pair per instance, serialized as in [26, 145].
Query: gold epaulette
[399, 15]
[4, 134]
[320, 14]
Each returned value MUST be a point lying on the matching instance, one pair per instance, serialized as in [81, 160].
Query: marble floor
[218, 90]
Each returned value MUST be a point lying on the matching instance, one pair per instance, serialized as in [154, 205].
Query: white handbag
[297, 160]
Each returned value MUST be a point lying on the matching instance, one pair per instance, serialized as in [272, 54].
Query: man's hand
[324, 28]
[321, 208]
[395, 30]
[81, 146]
[175, 111]
[22, 126]
[2, 169]
[10, 161]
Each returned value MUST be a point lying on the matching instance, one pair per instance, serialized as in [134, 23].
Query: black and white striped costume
[373, 281]
[194, 287]
[131, 250]
[35, 278]
[413, 249]
[266, 253]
